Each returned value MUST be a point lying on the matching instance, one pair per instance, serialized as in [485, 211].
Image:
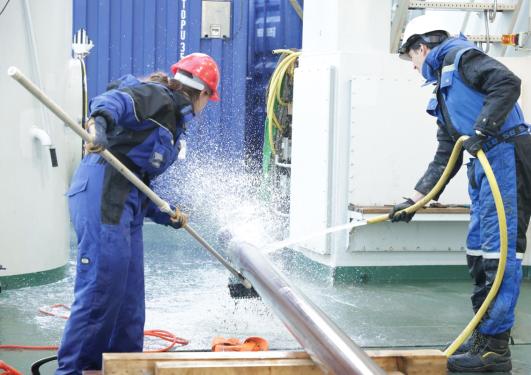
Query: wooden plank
[411, 362]
[429, 210]
[271, 354]
[406, 362]
[144, 363]
[424, 365]
[382, 353]
[389, 364]
[233, 367]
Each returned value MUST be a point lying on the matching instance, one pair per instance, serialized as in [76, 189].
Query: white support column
[359, 117]
[333, 32]
[346, 26]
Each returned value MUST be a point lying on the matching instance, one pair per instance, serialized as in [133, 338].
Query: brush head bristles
[239, 291]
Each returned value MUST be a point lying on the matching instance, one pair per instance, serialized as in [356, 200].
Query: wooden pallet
[394, 362]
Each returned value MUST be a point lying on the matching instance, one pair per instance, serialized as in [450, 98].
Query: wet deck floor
[187, 294]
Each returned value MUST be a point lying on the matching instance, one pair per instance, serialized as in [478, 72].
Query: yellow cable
[281, 73]
[273, 121]
[278, 97]
[284, 50]
[278, 75]
[274, 89]
[467, 331]
[297, 7]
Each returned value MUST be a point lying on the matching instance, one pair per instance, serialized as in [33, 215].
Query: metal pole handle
[164, 206]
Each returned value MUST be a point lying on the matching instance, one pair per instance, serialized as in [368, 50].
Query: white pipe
[35, 63]
[324, 341]
[41, 135]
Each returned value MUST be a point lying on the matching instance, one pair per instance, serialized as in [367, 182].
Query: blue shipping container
[142, 36]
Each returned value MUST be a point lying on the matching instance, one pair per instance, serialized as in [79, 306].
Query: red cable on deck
[159, 333]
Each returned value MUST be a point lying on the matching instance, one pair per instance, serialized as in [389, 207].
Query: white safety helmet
[417, 29]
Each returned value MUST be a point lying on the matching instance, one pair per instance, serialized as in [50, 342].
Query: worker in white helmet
[476, 95]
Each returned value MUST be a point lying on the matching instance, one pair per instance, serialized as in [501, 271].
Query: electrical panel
[215, 19]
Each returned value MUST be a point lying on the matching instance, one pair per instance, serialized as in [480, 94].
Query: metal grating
[483, 38]
[446, 5]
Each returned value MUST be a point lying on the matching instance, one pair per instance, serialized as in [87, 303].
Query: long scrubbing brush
[120, 167]
[236, 285]
[239, 291]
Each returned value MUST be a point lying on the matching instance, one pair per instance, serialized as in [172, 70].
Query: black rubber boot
[488, 354]
[466, 346]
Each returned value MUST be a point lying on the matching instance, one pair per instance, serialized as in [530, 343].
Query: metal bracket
[492, 12]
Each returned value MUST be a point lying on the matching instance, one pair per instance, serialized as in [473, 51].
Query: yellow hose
[467, 331]
[438, 186]
[503, 257]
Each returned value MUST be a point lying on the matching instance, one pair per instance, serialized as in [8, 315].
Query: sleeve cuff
[487, 127]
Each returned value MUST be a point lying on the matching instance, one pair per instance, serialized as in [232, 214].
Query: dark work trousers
[108, 312]
[511, 164]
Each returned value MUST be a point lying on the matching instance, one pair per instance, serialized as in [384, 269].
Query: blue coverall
[481, 95]
[144, 123]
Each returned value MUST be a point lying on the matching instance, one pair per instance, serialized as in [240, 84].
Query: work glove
[179, 219]
[403, 216]
[97, 128]
[474, 144]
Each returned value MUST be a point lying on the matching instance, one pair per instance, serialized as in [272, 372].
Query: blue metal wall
[273, 24]
[142, 36]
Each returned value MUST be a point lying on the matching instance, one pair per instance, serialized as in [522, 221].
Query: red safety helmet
[203, 69]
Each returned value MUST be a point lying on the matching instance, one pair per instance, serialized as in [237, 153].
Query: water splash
[222, 193]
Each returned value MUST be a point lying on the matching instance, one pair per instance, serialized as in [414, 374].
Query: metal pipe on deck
[324, 341]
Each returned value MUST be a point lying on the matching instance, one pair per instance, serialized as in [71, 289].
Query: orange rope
[166, 336]
[8, 370]
[46, 311]
[161, 334]
[27, 347]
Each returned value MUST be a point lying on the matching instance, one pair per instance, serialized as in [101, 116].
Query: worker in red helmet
[199, 71]
[142, 123]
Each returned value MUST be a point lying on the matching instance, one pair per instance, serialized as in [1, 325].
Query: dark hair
[430, 40]
[173, 84]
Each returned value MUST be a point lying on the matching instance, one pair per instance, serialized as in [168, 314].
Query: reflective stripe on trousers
[483, 241]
